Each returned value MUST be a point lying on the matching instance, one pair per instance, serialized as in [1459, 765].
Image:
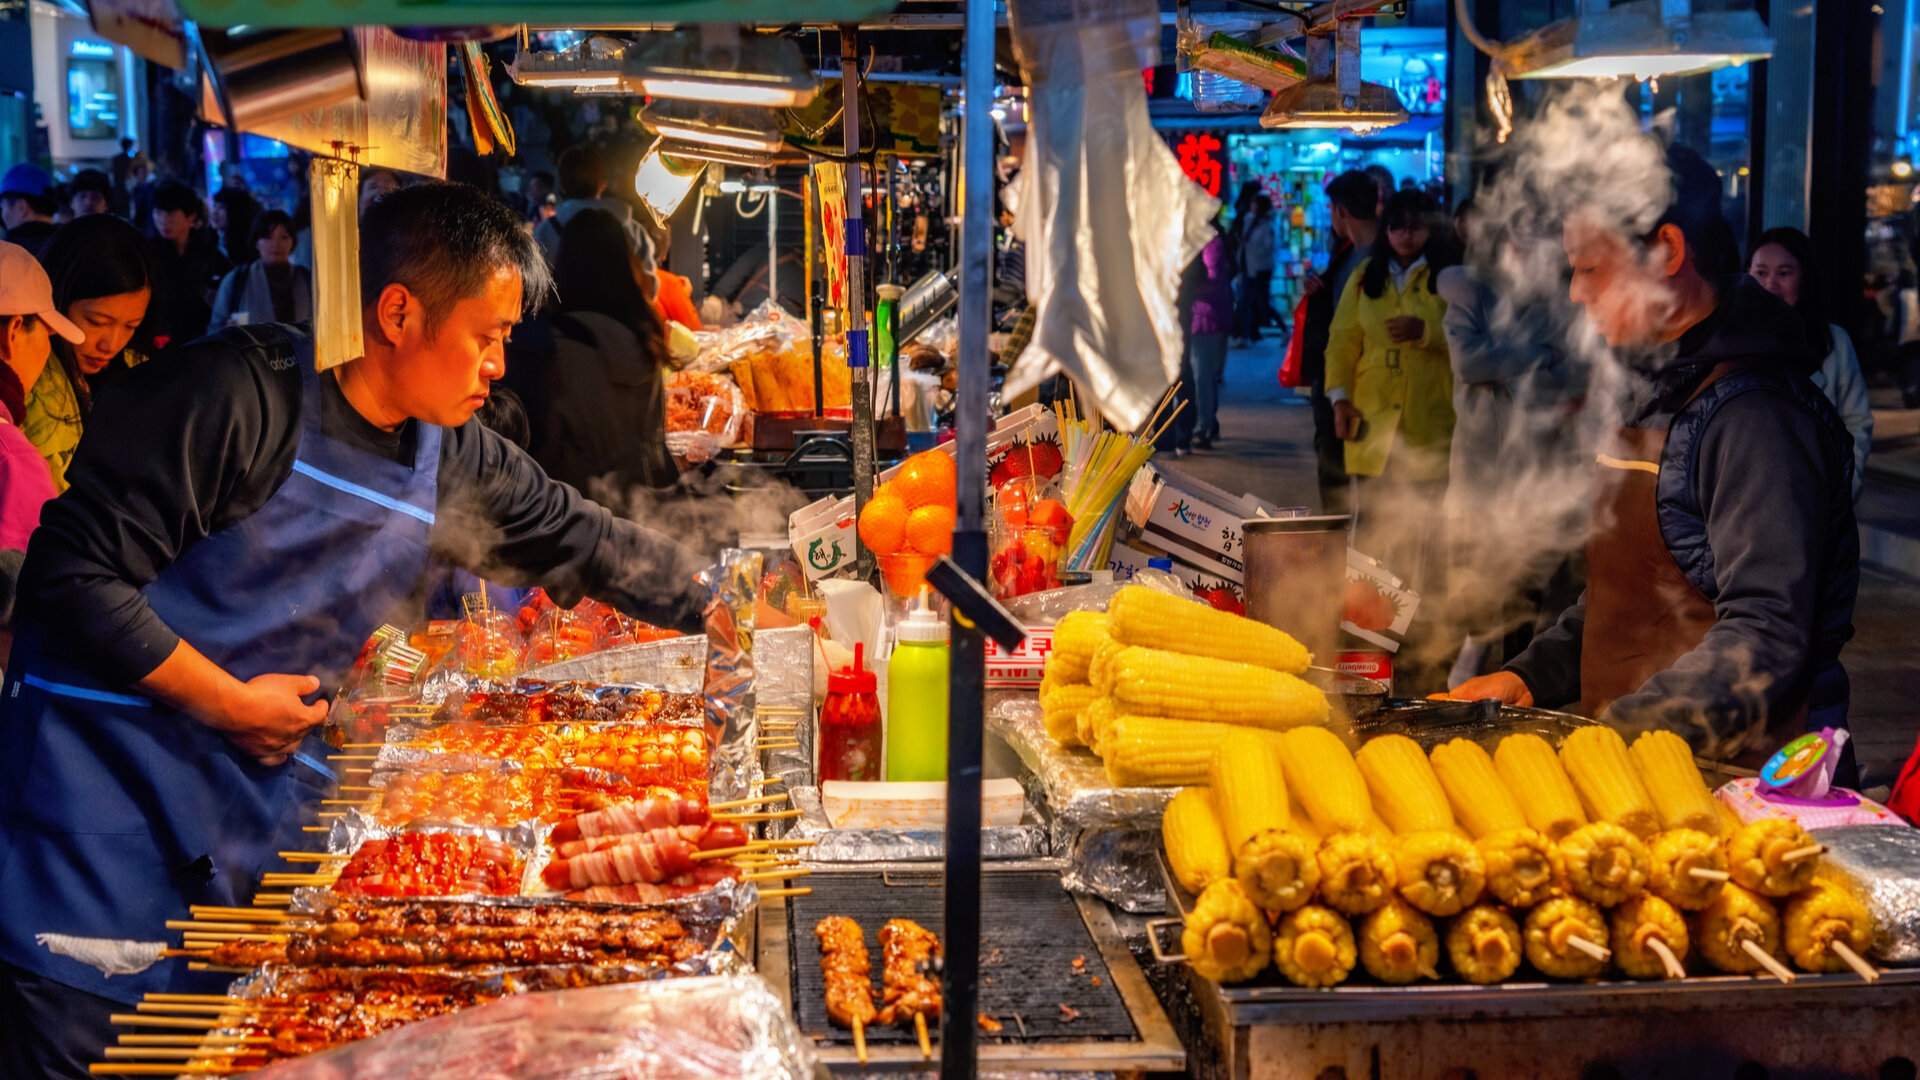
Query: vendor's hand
[1403, 328]
[1346, 420]
[1505, 686]
[267, 718]
[1311, 284]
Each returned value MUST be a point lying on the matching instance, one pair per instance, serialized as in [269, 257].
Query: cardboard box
[1378, 607]
[1195, 522]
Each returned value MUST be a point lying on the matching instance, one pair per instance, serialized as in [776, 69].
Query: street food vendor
[238, 524]
[1723, 561]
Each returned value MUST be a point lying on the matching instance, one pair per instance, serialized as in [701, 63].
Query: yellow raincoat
[1405, 389]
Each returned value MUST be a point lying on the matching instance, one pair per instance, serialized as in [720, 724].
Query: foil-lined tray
[1028, 840]
[1078, 793]
[1880, 866]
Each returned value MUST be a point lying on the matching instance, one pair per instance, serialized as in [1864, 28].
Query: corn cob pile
[1155, 684]
[1482, 860]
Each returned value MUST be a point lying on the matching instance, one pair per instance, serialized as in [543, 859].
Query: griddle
[1031, 933]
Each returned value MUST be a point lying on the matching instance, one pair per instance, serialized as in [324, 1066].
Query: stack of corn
[1524, 853]
[1158, 682]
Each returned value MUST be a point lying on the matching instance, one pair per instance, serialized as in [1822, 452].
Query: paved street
[1267, 449]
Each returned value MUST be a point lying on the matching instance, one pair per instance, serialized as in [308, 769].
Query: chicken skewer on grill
[911, 990]
[848, 973]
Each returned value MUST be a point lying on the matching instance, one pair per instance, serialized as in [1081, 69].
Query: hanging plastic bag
[1108, 218]
[1296, 358]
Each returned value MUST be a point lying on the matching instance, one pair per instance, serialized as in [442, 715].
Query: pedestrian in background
[1209, 311]
[1256, 246]
[1353, 200]
[27, 205]
[188, 263]
[90, 192]
[583, 186]
[270, 288]
[29, 321]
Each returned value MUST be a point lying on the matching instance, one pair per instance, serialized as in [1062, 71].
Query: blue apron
[117, 811]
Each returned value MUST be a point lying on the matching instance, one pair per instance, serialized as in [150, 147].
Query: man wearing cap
[27, 205]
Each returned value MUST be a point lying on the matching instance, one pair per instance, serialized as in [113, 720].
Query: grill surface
[1030, 934]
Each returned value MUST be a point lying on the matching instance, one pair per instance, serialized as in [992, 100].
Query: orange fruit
[883, 523]
[926, 479]
[930, 530]
[906, 573]
[1013, 503]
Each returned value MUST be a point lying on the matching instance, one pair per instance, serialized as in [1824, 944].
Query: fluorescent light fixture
[724, 155]
[1639, 39]
[1318, 103]
[594, 64]
[717, 63]
[732, 126]
[663, 182]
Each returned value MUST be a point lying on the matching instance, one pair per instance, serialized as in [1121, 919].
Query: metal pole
[773, 237]
[966, 691]
[856, 328]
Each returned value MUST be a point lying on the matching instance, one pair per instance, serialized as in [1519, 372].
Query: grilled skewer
[910, 992]
[848, 973]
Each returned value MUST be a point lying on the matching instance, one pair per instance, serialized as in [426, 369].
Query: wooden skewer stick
[354, 757]
[161, 1052]
[1427, 971]
[345, 787]
[362, 745]
[202, 929]
[189, 1008]
[803, 891]
[316, 828]
[195, 965]
[774, 845]
[722, 853]
[920, 1030]
[755, 801]
[1598, 952]
[1854, 960]
[272, 899]
[129, 1068]
[245, 913]
[165, 1021]
[1765, 959]
[1710, 875]
[1667, 959]
[773, 815]
[222, 1041]
[1807, 852]
[776, 875]
[204, 998]
[313, 856]
[170, 954]
[205, 936]
[859, 1037]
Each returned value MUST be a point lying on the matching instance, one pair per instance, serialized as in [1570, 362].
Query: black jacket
[606, 407]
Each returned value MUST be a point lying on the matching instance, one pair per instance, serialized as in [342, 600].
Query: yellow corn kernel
[1076, 637]
[1679, 791]
[1438, 872]
[1250, 786]
[1773, 857]
[1196, 844]
[1398, 944]
[1821, 916]
[1688, 868]
[1403, 788]
[1523, 866]
[1480, 799]
[1605, 863]
[1357, 873]
[1154, 682]
[1226, 938]
[1483, 942]
[1602, 771]
[1550, 934]
[1138, 615]
[1537, 782]
[1737, 916]
[1153, 751]
[1060, 706]
[1100, 668]
[1095, 722]
[1637, 924]
[1299, 822]
[1277, 870]
[1321, 773]
[1314, 947]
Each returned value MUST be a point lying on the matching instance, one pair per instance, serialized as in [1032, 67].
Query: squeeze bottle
[917, 698]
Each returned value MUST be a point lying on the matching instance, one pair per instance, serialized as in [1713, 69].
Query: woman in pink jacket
[28, 319]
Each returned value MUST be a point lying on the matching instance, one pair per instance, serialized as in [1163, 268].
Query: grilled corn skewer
[1566, 938]
[1438, 872]
[1822, 924]
[1278, 870]
[1314, 947]
[1605, 863]
[1138, 615]
[1153, 751]
[1196, 844]
[1772, 856]
[1398, 944]
[1537, 782]
[1637, 925]
[1679, 791]
[1480, 799]
[1357, 873]
[1597, 761]
[1076, 638]
[1250, 786]
[1155, 682]
[1676, 854]
[1735, 918]
[1402, 786]
[1522, 866]
[1321, 773]
[1226, 938]
[1060, 705]
[1483, 942]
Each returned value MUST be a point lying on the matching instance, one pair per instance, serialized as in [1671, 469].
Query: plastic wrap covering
[1077, 790]
[1880, 866]
[720, 1028]
[783, 690]
[1119, 864]
[1109, 219]
[1046, 608]
[732, 732]
[674, 664]
[1023, 841]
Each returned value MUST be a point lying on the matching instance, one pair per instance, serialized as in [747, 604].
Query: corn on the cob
[1094, 723]
[1060, 706]
[1734, 917]
[1605, 863]
[1100, 668]
[1438, 872]
[1679, 792]
[1523, 866]
[1480, 800]
[1484, 944]
[1772, 856]
[1637, 925]
[1314, 947]
[1602, 771]
[1250, 786]
[1321, 774]
[1537, 782]
[1398, 944]
[1402, 785]
[1153, 751]
[1676, 854]
[1551, 934]
[1729, 821]
[1138, 615]
[1226, 938]
[1196, 844]
[1357, 872]
[1823, 916]
[1076, 637]
[1154, 682]
[1299, 822]
[1277, 870]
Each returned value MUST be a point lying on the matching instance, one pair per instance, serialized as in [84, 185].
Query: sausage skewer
[848, 973]
[911, 951]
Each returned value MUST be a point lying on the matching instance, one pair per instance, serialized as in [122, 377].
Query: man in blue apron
[238, 524]
[1724, 559]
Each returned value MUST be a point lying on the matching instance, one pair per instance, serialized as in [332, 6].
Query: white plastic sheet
[1108, 218]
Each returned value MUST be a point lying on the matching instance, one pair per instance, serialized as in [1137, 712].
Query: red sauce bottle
[850, 724]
